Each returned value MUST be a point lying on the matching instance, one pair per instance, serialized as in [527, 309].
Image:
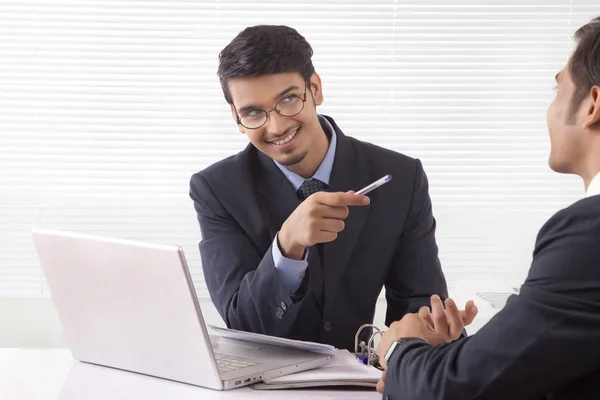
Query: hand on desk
[440, 325]
[318, 219]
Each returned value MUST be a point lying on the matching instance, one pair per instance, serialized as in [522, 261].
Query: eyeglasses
[289, 106]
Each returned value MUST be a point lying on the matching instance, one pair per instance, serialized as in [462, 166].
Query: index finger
[338, 199]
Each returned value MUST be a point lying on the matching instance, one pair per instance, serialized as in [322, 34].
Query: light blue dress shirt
[291, 271]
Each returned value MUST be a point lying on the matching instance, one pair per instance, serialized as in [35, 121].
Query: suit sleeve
[243, 283]
[415, 273]
[544, 338]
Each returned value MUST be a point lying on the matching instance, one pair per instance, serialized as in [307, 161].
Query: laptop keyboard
[229, 363]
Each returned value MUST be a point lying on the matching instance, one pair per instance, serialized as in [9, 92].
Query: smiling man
[288, 249]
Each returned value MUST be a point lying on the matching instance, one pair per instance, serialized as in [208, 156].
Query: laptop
[132, 306]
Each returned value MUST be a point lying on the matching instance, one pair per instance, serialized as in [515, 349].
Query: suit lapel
[348, 174]
[277, 191]
[279, 194]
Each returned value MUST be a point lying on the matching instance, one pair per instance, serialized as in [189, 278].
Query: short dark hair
[262, 50]
[584, 65]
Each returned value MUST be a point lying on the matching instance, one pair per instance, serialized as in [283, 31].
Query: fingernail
[435, 297]
[449, 303]
[366, 200]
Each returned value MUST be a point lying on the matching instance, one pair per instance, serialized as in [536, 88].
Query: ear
[234, 115]
[593, 110]
[316, 89]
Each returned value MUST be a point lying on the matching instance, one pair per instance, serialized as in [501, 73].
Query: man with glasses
[288, 249]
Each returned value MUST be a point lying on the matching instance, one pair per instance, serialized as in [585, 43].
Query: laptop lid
[128, 305]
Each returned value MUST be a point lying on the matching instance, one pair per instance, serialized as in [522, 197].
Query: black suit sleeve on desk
[243, 284]
[544, 339]
[415, 273]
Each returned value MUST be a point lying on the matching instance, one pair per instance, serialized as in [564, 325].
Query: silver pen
[375, 185]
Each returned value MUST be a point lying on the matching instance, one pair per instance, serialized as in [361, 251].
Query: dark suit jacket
[544, 344]
[242, 202]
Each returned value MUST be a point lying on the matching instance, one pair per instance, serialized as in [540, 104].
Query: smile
[286, 139]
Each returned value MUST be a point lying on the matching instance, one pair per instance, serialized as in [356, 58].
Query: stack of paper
[273, 340]
[343, 370]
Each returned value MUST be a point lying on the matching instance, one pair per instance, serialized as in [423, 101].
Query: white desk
[51, 374]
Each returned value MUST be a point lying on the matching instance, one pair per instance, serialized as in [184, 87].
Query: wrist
[288, 247]
[394, 345]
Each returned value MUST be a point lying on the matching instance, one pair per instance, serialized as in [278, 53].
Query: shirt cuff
[291, 272]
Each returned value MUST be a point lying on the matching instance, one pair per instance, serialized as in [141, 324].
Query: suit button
[386, 397]
[327, 326]
[279, 313]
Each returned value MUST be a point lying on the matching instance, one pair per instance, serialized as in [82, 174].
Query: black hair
[262, 50]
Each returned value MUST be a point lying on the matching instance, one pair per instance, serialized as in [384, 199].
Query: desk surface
[51, 374]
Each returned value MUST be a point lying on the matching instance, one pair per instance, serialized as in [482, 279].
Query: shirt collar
[594, 187]
[323, 173]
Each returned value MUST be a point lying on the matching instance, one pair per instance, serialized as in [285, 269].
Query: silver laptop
[132, 306]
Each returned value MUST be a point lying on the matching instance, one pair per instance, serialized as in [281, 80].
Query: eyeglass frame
[303, 99]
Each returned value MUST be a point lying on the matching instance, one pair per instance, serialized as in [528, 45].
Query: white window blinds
[108, 107]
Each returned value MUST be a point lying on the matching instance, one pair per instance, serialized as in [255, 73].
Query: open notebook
[343, 370]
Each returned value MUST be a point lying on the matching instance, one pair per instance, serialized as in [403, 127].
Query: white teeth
[287, 139]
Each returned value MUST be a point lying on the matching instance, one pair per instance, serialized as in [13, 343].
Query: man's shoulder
[575, 229]
[581, 215]
[379, 155]
[566, 253]
[588, 205]
[228, 168]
